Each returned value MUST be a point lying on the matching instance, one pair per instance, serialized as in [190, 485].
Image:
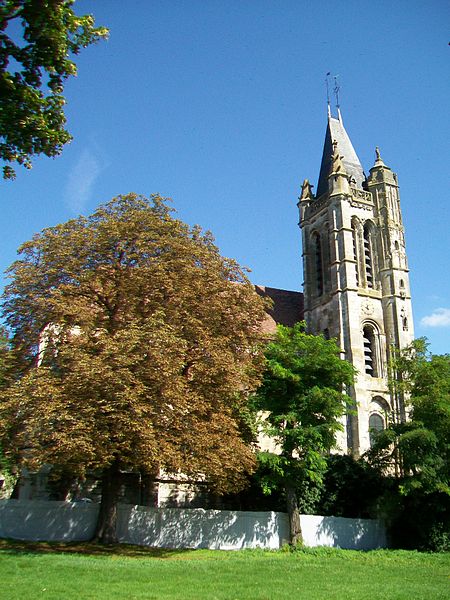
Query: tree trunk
[148, 492]
[295, 530]
[105, 532]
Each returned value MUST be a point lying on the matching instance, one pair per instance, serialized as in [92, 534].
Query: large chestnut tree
[137, 345]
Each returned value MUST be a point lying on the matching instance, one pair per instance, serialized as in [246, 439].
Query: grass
[91, 572]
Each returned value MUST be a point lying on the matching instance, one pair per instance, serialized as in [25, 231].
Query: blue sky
[221, 105]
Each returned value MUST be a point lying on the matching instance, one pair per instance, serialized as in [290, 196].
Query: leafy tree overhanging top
[33, 73]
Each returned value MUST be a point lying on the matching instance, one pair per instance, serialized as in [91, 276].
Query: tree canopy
[33, 71]
[414, 456]
[148, 343]
[303, 401]
[419, 447]
[5, 358]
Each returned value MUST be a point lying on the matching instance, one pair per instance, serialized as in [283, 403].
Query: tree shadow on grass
[91, 549]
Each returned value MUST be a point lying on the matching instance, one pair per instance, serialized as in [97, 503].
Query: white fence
[183, 528]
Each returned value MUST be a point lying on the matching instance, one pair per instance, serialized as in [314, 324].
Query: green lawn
[88, 572]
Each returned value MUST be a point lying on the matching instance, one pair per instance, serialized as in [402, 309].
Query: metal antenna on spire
[327, 83]
[336, 90]
[337, 87]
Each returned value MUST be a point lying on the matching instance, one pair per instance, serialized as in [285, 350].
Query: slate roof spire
[336, 133]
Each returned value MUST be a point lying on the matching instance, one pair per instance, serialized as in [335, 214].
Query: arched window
[370, 351]
[318, 263]
[355, 249]
[326, 253]
[368, 254]
[376, 424]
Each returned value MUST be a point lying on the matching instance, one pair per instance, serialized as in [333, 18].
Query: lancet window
[318, 263]
[376, 424]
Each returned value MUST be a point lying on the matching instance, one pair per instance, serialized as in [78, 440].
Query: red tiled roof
[287, 309]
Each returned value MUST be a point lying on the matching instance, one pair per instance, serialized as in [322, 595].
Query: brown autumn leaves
[148, 343]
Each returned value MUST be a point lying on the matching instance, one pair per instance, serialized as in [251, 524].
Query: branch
[14, 15]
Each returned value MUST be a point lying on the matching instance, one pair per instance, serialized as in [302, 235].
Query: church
[356, 282]
[356, 290]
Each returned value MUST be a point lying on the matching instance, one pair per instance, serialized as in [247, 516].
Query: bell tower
[356, 282]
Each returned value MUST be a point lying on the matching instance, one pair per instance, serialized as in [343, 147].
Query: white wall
[45, 520]
[338, 532]
[200, 528]
[183, 528]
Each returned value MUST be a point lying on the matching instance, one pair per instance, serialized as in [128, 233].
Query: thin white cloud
[440, 317]
[81, 180]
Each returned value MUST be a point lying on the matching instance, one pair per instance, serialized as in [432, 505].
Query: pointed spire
[351, 164]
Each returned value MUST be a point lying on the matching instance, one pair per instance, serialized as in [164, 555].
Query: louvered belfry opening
[355, 252]
[368, 257]
[318, 265]
[369, 351]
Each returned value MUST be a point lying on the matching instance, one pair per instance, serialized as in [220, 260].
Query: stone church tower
[356, 285]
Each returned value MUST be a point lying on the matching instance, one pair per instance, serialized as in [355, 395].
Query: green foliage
[32, 76]
[351, 488]
[419, 448]
[273, 471]
[438, 538]
[418, 520]
[302, 399]
[414, 449]
[431, 405]
[415, 455]
[405, 365]
[7, 476]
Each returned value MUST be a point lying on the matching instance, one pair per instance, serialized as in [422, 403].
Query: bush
[421, 521]
[351, 488]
